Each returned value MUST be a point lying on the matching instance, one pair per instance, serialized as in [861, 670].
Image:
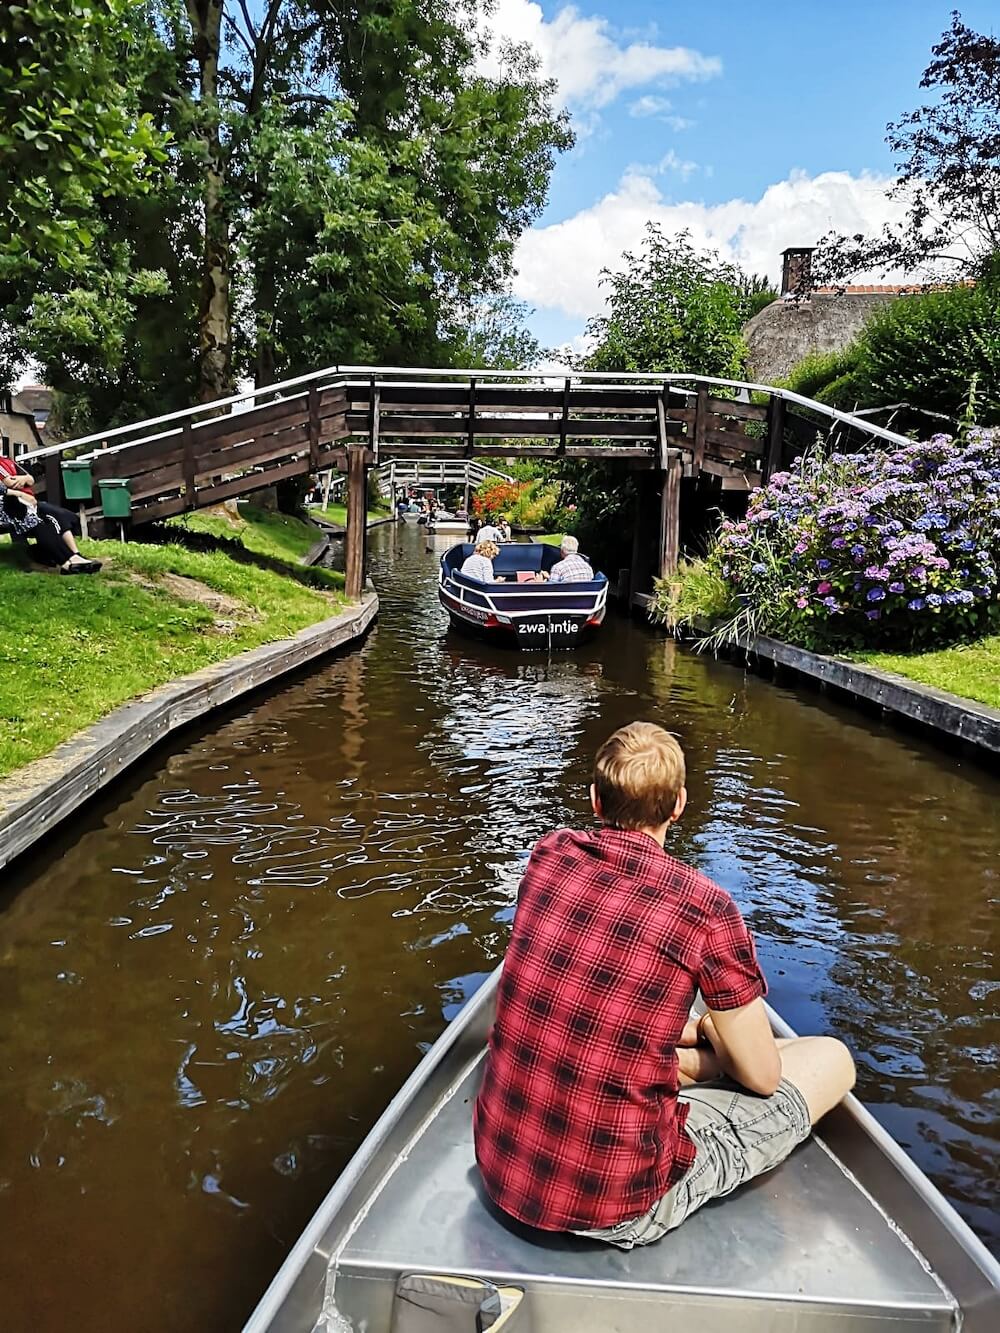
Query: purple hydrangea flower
[917, 604]
[873, 615]
[897, 586]
[876, 594]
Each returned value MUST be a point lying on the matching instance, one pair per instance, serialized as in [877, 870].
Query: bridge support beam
[656, 535]
[355, 539]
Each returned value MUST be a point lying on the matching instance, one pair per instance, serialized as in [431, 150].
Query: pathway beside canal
[213, 986]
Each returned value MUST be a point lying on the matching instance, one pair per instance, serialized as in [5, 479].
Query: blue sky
[756, 125]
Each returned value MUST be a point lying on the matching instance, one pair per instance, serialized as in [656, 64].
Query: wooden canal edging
[668, 430]
[37, 798]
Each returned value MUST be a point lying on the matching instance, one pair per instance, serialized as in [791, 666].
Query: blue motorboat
[518, 607]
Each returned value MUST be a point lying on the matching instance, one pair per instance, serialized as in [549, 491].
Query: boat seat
[799, 1250]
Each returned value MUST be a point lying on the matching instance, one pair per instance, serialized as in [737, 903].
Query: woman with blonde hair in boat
[479, 565]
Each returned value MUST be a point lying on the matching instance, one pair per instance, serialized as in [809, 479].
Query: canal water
[213, 985]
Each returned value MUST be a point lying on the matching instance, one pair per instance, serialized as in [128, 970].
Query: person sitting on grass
[51, 528]
[479, 565]
[605, 1110]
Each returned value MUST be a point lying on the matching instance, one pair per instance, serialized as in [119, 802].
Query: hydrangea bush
[896, 547]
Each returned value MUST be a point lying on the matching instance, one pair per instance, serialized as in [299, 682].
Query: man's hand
[689, 1034]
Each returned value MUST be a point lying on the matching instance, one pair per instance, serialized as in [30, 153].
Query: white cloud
[650, 105]
[586, 58]
[659, 107]
[559, 266]
[671, 162]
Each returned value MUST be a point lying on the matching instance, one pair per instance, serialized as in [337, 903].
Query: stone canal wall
[44, 793]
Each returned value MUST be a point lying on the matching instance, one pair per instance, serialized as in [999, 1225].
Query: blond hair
[638, 775]
[487, 548]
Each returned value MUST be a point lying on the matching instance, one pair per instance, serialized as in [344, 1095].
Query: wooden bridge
[666, 428]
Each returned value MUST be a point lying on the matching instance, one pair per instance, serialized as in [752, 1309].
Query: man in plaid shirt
[572, 568]
[605, 1109]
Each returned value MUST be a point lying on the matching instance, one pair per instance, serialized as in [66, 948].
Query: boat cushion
[426, 1303]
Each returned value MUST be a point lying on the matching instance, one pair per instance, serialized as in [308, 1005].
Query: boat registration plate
[546, 631]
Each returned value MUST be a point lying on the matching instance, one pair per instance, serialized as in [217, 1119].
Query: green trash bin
[78, 480]
[116, 497]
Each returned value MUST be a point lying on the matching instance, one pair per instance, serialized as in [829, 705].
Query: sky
[758, 125]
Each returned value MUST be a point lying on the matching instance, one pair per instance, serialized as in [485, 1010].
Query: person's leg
[50, 545]
[65, 523]
[821, 1068]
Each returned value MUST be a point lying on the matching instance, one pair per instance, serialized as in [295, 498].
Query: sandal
[81, 567]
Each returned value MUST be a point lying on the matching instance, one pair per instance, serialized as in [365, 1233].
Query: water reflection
[218, 986]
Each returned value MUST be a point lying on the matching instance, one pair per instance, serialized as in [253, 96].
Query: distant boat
[515, 610]
[845, 1236]
[445, 523]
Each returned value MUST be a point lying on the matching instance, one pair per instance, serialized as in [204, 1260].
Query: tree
[674, 309]
[70, 134]
[367, 180]
[948, 164]
[493, 333]
[74, 146]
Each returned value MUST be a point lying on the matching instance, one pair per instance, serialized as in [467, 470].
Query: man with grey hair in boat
[572, 568]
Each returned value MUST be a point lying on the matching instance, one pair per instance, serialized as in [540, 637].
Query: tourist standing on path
[604, 1110]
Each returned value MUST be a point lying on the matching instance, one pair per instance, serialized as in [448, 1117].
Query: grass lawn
[971, 670]
[72, 649]
[338, 514]
[263, 532]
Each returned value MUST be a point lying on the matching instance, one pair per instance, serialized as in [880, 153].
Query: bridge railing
[671, 424]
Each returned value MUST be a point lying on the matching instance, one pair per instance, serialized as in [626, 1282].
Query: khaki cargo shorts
[737, 1136]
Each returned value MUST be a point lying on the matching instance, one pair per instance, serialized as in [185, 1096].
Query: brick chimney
[796, 270]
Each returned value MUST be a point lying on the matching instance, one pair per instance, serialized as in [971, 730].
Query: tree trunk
[215, 370]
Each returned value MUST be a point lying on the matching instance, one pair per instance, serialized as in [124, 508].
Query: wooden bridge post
[670, 517]
[187, 465]
[357, 522]
[774, 454]
[700, 429]
[53, 480]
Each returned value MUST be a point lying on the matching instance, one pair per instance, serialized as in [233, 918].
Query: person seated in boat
[605, 1110]
[572, 568]
[479, 565]
[504, 528]
[488, 533]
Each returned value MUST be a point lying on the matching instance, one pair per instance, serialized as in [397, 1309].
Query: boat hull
[530, 616]
[816, 1246]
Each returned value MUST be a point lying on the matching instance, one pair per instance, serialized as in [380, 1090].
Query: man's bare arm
[743, 1041]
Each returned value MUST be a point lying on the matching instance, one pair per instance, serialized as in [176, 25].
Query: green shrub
[929, 350]
[847, 392]
[696, 594]
[817, 371]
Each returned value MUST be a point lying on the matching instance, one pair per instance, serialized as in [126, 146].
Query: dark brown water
[212, 989]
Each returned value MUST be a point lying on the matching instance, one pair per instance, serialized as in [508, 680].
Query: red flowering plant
[496, 497]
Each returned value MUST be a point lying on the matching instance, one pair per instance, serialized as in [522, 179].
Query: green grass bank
[72, 649]
[337, 514]
[971, 670]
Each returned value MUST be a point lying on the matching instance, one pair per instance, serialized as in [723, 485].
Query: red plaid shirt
[577, 1124]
